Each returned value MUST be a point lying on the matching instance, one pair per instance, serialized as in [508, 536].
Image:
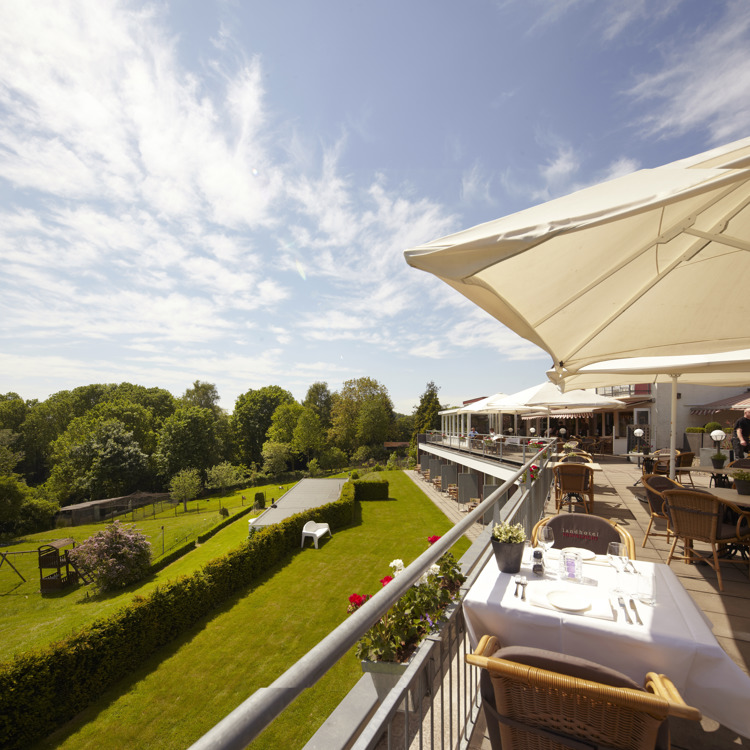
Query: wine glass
[546, 537]
[617, 554]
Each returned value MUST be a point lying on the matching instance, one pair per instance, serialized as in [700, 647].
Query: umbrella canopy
[655, 262]
[549, 396]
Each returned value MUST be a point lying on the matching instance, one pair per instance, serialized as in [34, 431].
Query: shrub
[711, 426]
[370, 489]
[41, 689]
[695, 429]
[114, 557]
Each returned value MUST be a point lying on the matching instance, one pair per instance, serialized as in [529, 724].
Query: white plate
[586, 554]
[571, 601]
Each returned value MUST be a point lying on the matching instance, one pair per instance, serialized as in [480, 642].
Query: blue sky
[223, 191]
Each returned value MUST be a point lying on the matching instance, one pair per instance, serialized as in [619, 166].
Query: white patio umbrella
[652, 263]
[725, 369]
[548, 396]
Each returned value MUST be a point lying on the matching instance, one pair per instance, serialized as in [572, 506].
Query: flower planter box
[385, 675]
[742, 486]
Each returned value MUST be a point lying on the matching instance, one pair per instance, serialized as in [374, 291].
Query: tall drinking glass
[617, 554]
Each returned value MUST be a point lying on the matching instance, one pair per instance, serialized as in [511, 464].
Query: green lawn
[176, 697]
[28, 619]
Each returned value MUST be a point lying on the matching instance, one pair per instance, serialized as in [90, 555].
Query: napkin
[537, 591]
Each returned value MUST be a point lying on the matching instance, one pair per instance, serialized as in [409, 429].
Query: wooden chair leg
[648, 531]
[716, 567]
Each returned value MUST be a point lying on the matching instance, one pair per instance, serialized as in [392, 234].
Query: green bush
[370, 489]
[711, 426]
[42, 689]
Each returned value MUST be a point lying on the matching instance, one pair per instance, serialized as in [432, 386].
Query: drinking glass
[617, 554]
[546, 537]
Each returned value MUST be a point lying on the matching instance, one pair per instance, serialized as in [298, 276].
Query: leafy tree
[427, 414]
[308, 437]
[224, 475]
[160, 402]
[313, 467]
[13, 411]
[114, 557]
[36, 514]
[334, 459]
[185, 485]
[362, 413]
[8, 457]
[96, 459]
[284, 421]
[187, 440]
[253, 413]
[204, 395]
[276, 457]
[13, 493]
[402, 428]
[320, 400]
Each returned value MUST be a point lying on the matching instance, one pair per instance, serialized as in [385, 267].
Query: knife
[635, 611]
[621, 602]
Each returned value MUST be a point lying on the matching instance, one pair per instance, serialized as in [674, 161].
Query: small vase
[718, 463]
[508, 555]
[742, 486]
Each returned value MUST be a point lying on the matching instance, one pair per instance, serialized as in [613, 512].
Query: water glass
[617, 554]
[646, 588]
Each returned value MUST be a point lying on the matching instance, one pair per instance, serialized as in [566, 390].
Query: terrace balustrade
[446, 716]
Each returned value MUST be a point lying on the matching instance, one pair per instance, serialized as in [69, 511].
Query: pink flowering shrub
[114, 557]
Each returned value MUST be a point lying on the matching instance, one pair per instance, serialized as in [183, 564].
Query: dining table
[588, 619]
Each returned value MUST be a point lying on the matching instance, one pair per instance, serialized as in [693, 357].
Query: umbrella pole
[673, 428]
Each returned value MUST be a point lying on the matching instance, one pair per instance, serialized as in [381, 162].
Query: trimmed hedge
[370, 489]
[42, 689]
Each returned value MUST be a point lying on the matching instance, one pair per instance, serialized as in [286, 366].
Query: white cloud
[704, 81]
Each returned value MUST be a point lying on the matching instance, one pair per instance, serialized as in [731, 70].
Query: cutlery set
[628, 618]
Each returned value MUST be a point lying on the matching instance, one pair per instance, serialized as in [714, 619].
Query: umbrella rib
[663, 236]
[685, 226]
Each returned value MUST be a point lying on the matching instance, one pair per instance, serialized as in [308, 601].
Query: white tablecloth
[675, 638]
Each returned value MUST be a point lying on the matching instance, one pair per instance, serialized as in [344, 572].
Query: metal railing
[241, 726]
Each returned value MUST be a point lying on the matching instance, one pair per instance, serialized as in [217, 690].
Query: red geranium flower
[386, 580]
[432, 539]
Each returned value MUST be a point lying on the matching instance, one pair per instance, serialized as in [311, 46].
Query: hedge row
[42, 689]
[370, 489]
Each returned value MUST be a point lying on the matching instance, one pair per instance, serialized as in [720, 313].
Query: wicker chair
[661, 461]
[682, 464]
[547, 700]
[574, 481]
[577, 457]
[655, 484]
[589, 532]
[698, 517]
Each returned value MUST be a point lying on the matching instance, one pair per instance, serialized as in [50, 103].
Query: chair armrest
[743, 515]
[662, 686]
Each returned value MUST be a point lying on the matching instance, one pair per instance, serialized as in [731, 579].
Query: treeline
[108, 440]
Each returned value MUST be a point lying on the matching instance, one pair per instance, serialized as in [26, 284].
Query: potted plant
[718, 460]
[741, 481]
[386, 649]
[507, 544]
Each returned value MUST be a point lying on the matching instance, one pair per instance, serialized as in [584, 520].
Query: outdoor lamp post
[718, 436]
[638, 434]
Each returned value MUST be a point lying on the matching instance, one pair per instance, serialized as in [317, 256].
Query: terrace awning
[740, 402]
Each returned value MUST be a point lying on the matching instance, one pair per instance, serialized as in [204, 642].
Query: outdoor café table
[675, 638]
[592, 466]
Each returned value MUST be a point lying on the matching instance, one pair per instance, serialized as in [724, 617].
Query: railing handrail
[236, 730]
